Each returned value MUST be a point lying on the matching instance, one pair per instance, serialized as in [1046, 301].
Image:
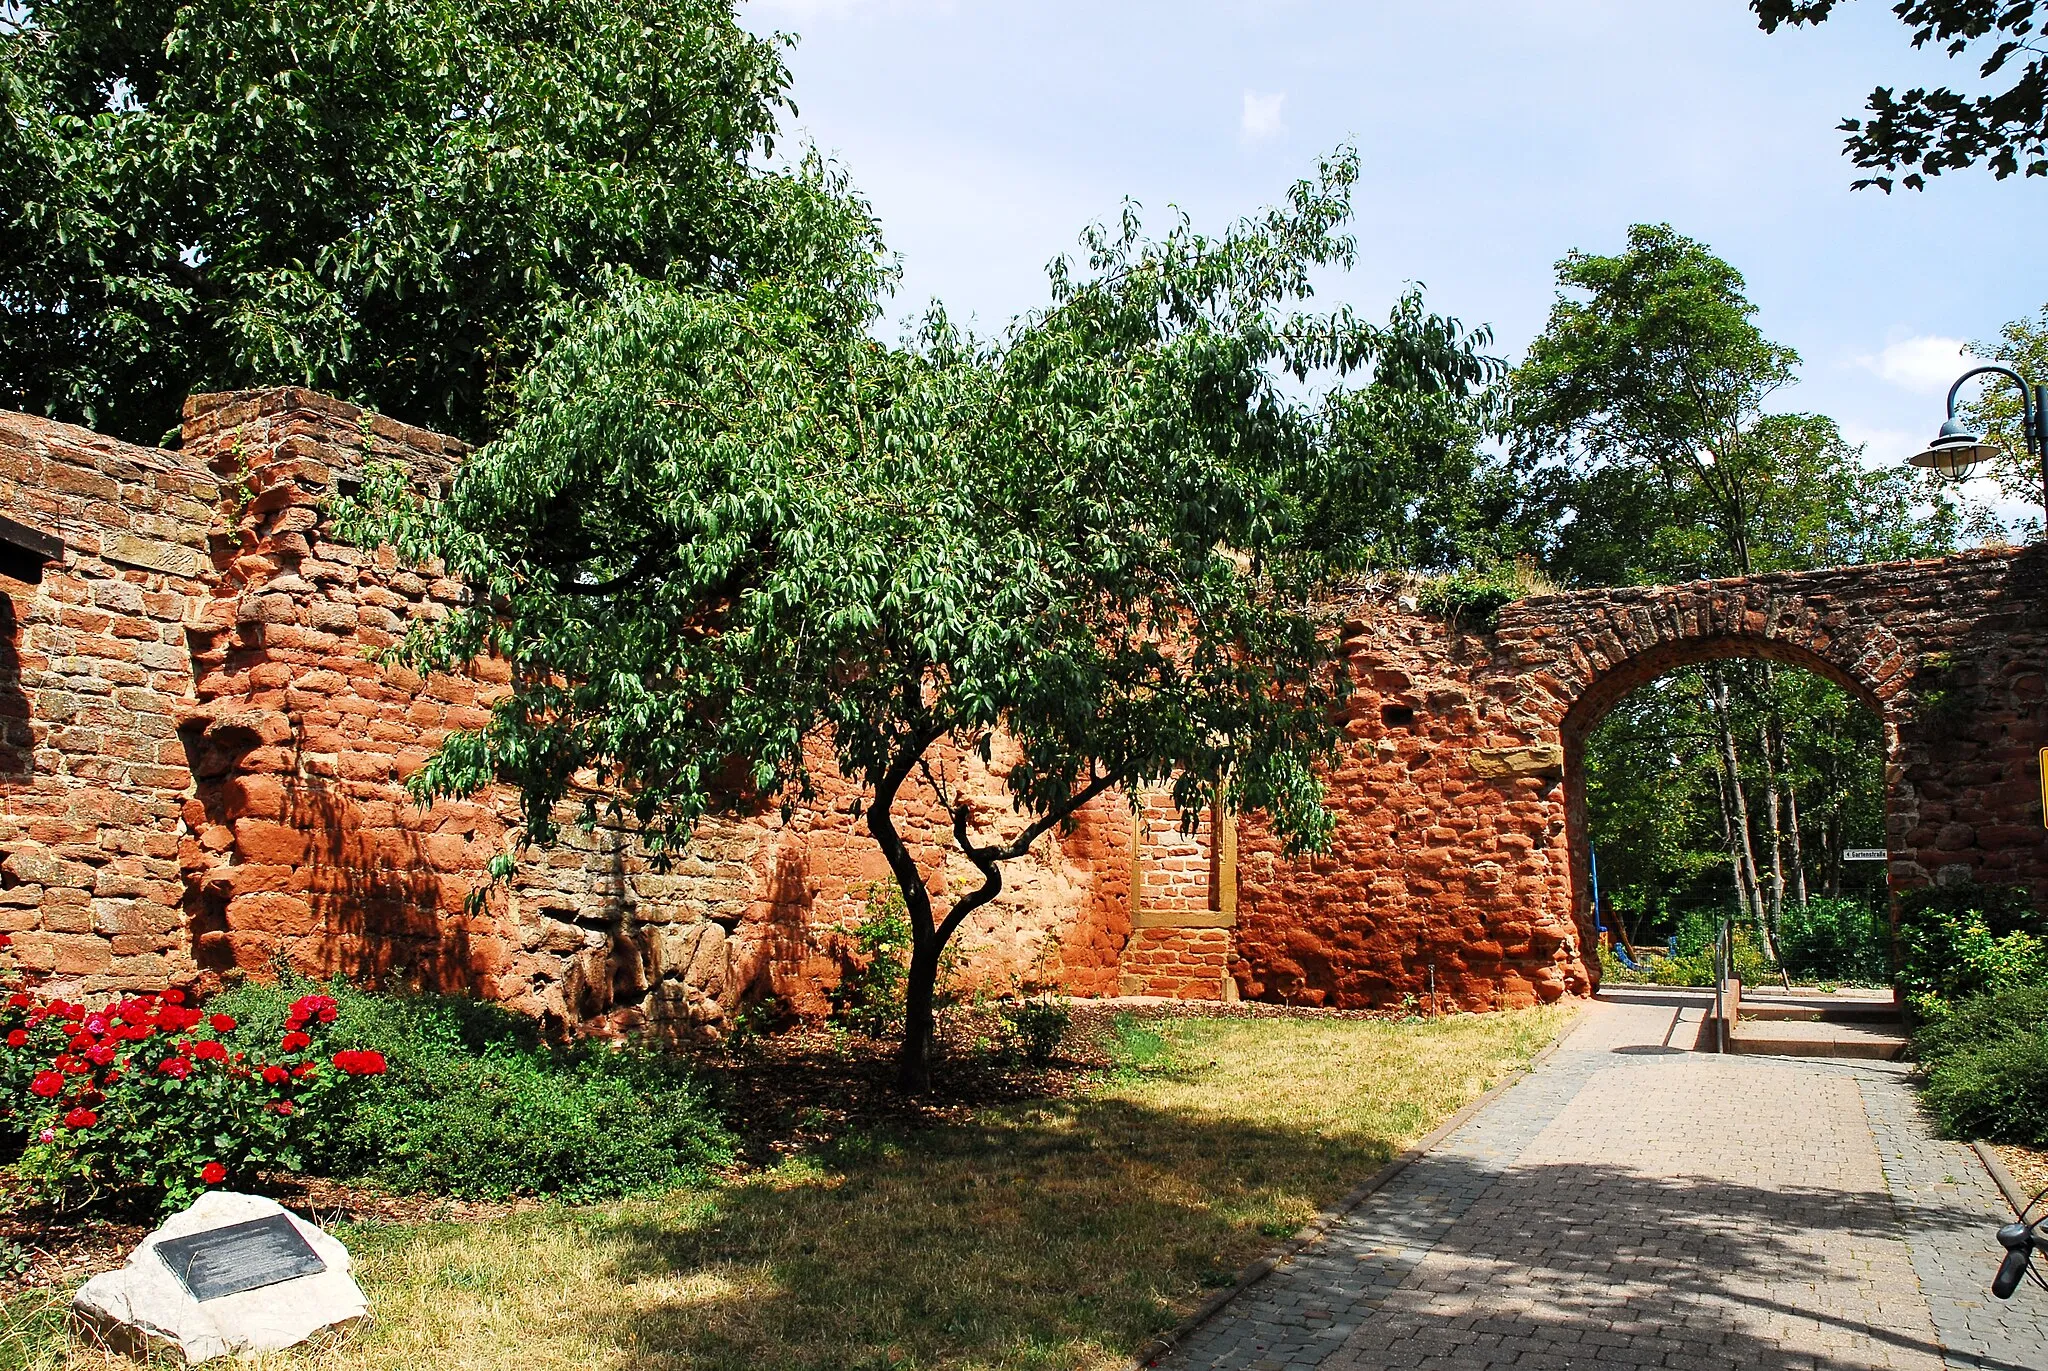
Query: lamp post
[1956, 452]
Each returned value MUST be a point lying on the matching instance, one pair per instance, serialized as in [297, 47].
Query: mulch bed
[2028, 1166]
[785, 1093]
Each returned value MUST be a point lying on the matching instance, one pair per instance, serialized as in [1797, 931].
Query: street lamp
[1956, 452]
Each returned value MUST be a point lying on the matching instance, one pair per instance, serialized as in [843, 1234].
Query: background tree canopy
[382, 199]
[1932, 131]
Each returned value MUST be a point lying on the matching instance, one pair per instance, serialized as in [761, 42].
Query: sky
[1495, 136]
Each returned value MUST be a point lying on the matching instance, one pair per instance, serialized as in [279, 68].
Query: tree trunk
[1742, 848]
[914, 1059]
[1735, 867]
[1798, 845]
[1773, 808]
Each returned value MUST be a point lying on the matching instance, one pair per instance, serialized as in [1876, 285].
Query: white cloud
[1887, 446]
[1261, 116]
[1926, 365]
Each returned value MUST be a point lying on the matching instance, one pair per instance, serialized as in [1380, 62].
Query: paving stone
[1626, 1205]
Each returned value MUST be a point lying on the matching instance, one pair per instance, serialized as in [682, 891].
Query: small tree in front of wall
[727, 537]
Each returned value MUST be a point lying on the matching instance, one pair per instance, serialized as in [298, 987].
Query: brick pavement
[1633, 1204]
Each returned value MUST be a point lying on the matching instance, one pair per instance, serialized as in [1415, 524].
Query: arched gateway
[1460, 855]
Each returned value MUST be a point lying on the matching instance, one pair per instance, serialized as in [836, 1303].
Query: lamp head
[1956, 452]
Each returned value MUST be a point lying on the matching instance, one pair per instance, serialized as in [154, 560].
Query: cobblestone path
[1632, 1204]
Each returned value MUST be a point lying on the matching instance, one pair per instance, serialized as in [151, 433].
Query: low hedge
[151, 1099]
[1986, 1065]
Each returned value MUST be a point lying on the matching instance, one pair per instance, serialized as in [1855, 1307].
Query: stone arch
[1667, 654]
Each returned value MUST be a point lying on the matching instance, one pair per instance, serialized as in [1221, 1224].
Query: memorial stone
[233, 1274]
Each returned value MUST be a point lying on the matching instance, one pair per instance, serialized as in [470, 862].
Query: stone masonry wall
[1461, 846]
[314, 853]
[94, 678]
[203, 766]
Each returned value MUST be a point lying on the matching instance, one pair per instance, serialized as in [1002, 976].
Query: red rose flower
[360, 1063]
[296, 1041]
[303, 1070]
[18, 1038]
[307, 1008]
[222, 1023]
[100, 1055]
[209, 1051]
[6, 941]
[81, 1042]
[174, 996]
[19, 1001]
[213, 1173]
[46, 1084]
[177, 1068]
[81, 1118]
[275, 1075]
[283, 1107]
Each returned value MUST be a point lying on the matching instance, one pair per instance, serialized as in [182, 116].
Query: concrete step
[1805, 1038]
[1790, 1012]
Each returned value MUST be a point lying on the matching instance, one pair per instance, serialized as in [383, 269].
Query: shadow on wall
[302, 874]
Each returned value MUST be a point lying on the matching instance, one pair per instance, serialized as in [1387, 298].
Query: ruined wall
[202, 768]
[1449, 852]
[1461, 844]
[314, 853]
[94, 679]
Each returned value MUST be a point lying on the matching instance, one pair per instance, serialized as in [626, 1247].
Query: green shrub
[1472, 597]
[1614, 973]
[1694, 966]
[473, 1105]
[1835, 939]
[1960, 941]
[1987, 1067]
[870, 996]
[1037, 1025]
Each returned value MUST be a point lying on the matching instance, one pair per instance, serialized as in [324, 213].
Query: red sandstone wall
[314, 853]
[94, 679]
[1433, 864]
[1461, 840]
[202, 767]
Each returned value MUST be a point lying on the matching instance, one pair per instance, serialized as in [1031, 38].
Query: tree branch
[990, 859]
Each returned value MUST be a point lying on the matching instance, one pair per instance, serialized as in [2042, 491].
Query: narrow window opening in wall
[1397, 716]
[348, 487]
[17, 740]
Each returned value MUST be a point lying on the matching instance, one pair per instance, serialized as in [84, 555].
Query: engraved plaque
[241, 1256]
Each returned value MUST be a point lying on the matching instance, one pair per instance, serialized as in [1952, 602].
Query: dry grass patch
[1038, 1235]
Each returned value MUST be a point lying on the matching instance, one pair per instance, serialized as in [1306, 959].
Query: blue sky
[1495, 137]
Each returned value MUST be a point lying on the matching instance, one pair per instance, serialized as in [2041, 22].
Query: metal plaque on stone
[240, 1256]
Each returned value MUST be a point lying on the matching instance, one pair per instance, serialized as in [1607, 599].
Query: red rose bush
[146, 1093]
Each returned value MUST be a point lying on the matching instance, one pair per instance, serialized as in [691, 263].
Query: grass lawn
[1059, 1233]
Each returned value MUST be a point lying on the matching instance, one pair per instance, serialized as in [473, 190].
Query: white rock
[143, 1310]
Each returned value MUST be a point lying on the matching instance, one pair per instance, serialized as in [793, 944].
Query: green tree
[1932, 131]
[1639, 419]
[2023, 346]
[383, 199]
[726, 538]
[1652, 368]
